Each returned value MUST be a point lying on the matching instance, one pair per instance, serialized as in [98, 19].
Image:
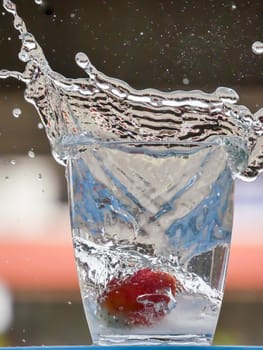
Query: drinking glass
[150, 178]
[151, 226]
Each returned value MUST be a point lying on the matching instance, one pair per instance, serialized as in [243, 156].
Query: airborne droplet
[186, 81]
[31, 153]
[257, 48]
[16, 112]
[82, 60]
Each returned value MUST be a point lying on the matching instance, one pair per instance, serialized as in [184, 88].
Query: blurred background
[175, 44]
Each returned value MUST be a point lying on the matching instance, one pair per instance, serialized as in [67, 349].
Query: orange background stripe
[51, 267]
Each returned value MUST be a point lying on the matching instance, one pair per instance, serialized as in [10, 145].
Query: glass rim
[84, 140]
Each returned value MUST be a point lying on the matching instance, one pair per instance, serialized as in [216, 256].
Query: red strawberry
[140, 299]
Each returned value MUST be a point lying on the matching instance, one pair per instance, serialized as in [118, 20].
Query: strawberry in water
[140, 299]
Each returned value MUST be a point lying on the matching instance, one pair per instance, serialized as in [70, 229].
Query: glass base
[140, 339]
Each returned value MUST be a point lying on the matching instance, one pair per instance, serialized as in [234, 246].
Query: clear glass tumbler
[151, 225]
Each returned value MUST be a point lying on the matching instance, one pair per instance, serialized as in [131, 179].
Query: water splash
[100, 108]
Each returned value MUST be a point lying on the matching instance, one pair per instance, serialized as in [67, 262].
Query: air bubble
[39, 2]
[40, 126]
[186, 81]
[13, 162]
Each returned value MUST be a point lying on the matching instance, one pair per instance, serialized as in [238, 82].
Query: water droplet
[40, 126]
[6, 178]
[39, 176]
[234, 6]
[141, 33]
[31, 153]
[227, 95]
[186, 81]
[257, 48]
[23, 340]
[39, 2]
[69, 302]
[9, 38]
[13, 161]
[72, 15]
[3, 13]
[82, 60]
[9, 6]
[16, 112]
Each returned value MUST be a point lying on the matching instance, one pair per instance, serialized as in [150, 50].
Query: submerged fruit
[140, 299]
